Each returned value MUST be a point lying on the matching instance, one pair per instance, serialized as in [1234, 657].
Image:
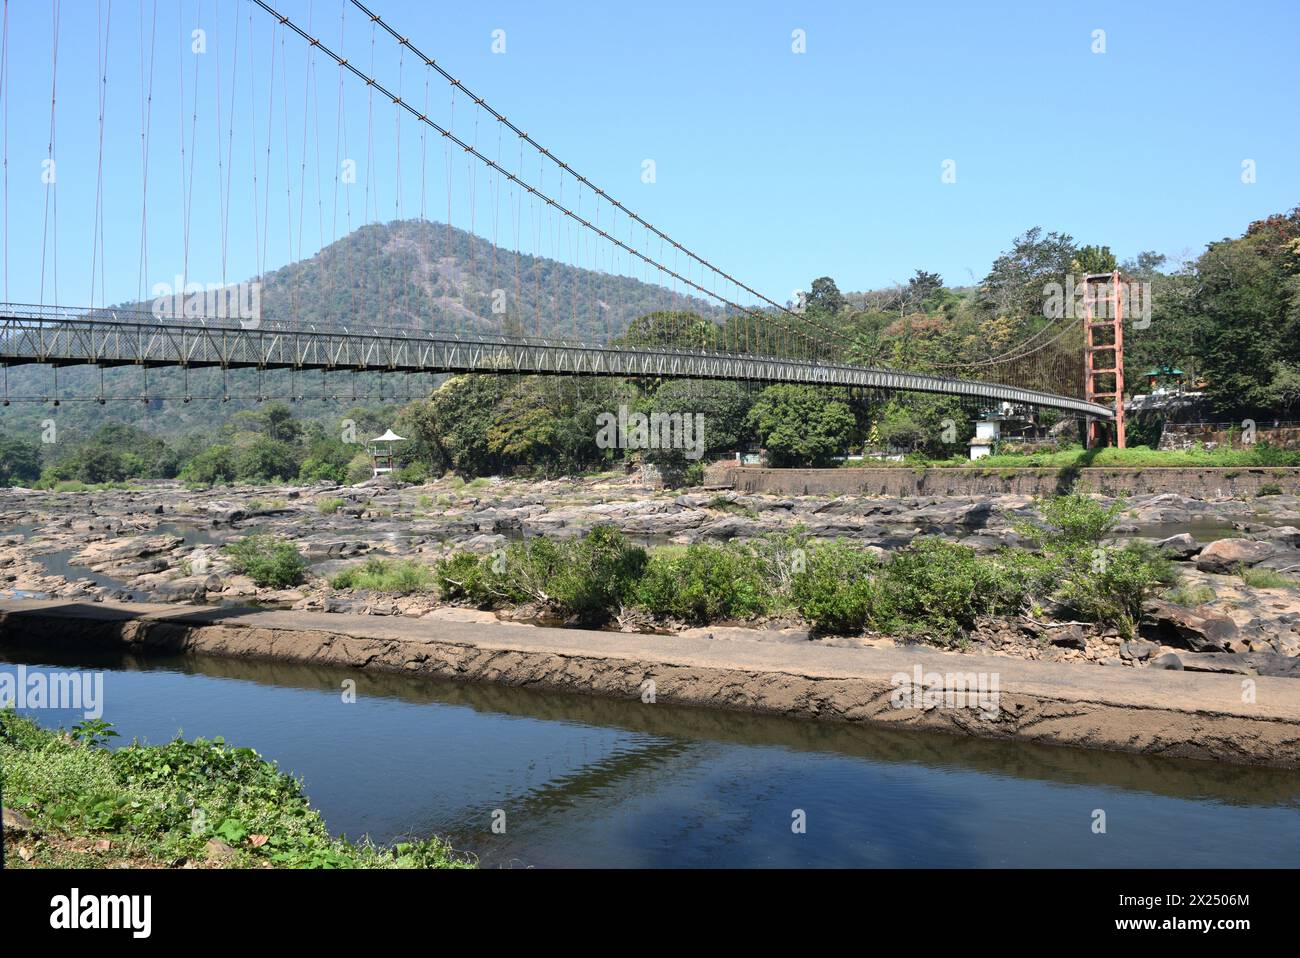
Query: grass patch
[162, 804]
[1265, 578]
[1191, 595]
[329, 505]
[400, 576]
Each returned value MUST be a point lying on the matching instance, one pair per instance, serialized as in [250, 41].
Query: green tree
[672, 328]
[279, 422]
[824, 299]
[1094, 259]
[456, 421]
[20, 461]
[1015, 285]
[211, 466]
[800, 425]
[1247, 311]
[265, 459]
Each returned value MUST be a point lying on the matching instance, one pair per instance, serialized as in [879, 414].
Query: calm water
[591, 782]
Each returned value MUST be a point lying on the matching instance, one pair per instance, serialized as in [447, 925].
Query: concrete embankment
[974, 480]
[1180, 714]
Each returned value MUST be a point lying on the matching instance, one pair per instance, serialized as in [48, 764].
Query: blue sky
[778, 166]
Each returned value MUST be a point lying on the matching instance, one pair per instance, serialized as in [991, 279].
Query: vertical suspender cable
[51, 170]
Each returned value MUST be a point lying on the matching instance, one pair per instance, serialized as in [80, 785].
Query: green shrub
[704, 583]
[360, 467]
[836, 592]
[268, 561]
[1269, 489]
[1072, 521]
[415, 473]
[401, 576]
[591, 577]
[329, 505]
[1112, 584]
[465, 577]
[318, 470]
[944, 586]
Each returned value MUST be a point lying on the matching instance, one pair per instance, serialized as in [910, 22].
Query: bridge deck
[40, 335]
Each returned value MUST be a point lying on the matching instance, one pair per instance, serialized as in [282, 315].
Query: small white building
[987, 433]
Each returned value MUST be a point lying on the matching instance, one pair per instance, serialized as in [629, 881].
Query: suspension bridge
[533, 268]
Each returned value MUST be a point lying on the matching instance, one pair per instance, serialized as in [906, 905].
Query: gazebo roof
[389, 436]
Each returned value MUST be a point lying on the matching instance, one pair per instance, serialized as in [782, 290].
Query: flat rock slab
[1247, 720]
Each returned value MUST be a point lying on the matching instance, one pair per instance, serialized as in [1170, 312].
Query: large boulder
[1181, 546]
[1199, 629]
[1225, 555]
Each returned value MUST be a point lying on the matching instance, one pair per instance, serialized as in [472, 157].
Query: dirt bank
[1252, 720]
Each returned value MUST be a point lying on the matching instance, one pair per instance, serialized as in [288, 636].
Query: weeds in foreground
[163, 804]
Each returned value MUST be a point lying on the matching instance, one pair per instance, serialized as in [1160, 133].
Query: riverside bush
[462, 577]
[705, 583]
[590, 577]
[945, 586]
[1072, 521]
[835, 592]
[1110, 585]
[1107, 584]
[400, 576]
[268, 561]
[933, 586]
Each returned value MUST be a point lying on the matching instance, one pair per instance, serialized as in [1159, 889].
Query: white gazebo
[381, 453]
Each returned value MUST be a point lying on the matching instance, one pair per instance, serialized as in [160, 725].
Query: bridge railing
[128, 316]
[108, 337]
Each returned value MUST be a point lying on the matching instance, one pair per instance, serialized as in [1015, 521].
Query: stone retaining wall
[1182, 436]
[1154, 712]
[1207, 483]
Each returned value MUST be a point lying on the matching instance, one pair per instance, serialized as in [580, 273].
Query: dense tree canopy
[801, 425]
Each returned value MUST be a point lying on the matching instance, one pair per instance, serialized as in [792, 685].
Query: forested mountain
[411, 273]
[440, 278]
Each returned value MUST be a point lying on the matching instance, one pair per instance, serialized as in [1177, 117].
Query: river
[595, 782]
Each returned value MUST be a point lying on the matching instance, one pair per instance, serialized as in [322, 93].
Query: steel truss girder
[105, 343]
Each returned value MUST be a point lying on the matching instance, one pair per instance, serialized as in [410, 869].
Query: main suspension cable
[374, 84]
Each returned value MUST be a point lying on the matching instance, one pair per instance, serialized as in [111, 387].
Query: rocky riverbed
[159, 541]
